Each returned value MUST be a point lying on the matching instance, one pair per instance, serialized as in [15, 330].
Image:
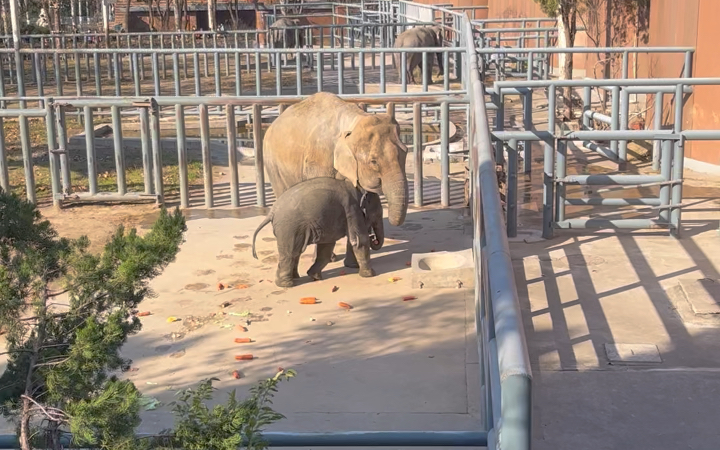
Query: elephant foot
[296, 274]
[315, 276]
[352, 264]
[367, 273]
[284, 283]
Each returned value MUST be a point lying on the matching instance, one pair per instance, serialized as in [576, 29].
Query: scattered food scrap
[144, 313]
[242, 286]
[407, 298]
[308, 301]
[236, 374]
[345, 305]
[394, 279]
[149, 403]
[335, 289]
[243, 340]
[328, 323]
[172, 319]
[225, 304]
[220, 286]
[241, 328]
[247, 357]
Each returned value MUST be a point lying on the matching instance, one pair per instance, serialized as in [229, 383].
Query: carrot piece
[407, 298]
[345, 305]
[308, 301]
[243, 340]
[144, 313]
[236, 374]
[243, 357]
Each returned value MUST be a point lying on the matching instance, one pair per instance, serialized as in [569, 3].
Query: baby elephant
[321, 211]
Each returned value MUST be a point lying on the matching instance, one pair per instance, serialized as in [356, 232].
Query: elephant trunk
[378, 232]
[397, 198]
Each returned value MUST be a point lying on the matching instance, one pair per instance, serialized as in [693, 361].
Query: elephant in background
[283, 33]
[336, 139]
[321, 211]
[418, 37]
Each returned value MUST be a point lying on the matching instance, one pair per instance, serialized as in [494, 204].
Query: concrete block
[443, 270]
[632, 353]
[703, 294]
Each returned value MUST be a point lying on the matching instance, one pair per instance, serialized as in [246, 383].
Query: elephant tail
[267, 220]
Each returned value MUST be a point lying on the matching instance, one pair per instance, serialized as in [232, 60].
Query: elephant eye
[373, 162]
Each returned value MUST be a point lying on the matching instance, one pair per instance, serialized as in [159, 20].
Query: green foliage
[549, 7]
[228, 426]
[66, 313]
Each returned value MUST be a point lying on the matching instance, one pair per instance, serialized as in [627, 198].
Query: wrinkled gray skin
[332, 138]
[418, 37]
[283, 35]
[321, 211]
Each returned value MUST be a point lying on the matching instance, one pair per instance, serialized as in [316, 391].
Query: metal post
[587, 106]
[206, 157]
[62, 149]
[615, 117]
[146, 146]
[156, 151]
[52, 152]
[418, 153]
[512, 188]
[528, 124]
[182, 156]
[119, 150]
[445, 154]
[678, 162]
[259, 162]
[624, 119]
[548, 169]
[665, 171]
[232, 156]
[98, 80]
[657, 125]
[4, 169]
[90, 150]
[561, 167]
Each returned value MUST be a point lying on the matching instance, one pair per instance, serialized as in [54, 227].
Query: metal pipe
[624, 120]
[512, 187]
[418, 153]
[259, 161]
[528, 125]
[613, 202]
[615, 117]
[157, 152]
[678, 162]
[561, 168]
[90, 151]
[119, 150]
[146, 147]
[232, 156]
[657, 125]
[182, 156]
[53, 158]
[666, 172]
[611, 180]
[445, 154]
[549, 166]
[597, 223]
[206, 157]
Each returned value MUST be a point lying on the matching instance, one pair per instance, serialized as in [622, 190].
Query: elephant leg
[362, 253]
[296, 262]
[322, 259]
[284, 276]
[350, 259]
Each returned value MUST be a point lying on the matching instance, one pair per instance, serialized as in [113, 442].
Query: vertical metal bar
[258, 75]
[403, 71]
[90, 150]
[625, 65]
[4, 169]
[678, 162]
[499, 101]
[361, 74]
[62, 148]
[3, 104]
[52, 153]
[548, 169]
[238, 81]
[446, 71]
[340, 71]
[146, 146]
[425, 72]
[561, 167]
[615, 116]
[162, 58]
[512, 188]
[37, 60]
[382, 72]
[530, 66]
[320, 67]
[119, 149]
[259, 161]
[298, 71]
[206, 65]
[182, 156]
[98, 80]
[156, 74]
[624, 119]
[135, 73]
[118, 74]
[687, 69]
[657, 125]
[418, 153]
[666, 146]
[196, 73]
[587, 106]
[206, 158]
[445, 154]
[232, 156]
[278, 74]
[528, 124]
[157, 151]
[176, 74]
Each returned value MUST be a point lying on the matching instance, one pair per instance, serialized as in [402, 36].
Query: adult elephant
[324, 136]
[284, 33]
[418, 37]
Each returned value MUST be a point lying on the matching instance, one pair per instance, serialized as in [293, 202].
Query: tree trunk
[176, 14]
[567, 14]
[126, 20]
[211, 15]
[5, 18]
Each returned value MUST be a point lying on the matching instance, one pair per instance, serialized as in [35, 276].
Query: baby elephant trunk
[374, 217]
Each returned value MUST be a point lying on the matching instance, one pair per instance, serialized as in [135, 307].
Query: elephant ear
[344, 160]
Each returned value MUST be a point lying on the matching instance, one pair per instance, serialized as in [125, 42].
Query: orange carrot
[308, 301]
[243, 340]
[243, 357]
[345, 305]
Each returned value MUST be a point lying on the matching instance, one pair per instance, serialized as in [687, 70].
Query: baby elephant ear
[344, 159]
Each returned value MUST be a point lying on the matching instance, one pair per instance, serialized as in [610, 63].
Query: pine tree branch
[50, 412]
